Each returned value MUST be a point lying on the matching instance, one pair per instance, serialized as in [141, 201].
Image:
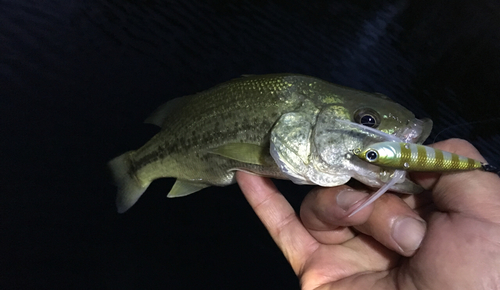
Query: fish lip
[417, 131]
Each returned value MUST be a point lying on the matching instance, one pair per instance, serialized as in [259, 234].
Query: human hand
[445, 238]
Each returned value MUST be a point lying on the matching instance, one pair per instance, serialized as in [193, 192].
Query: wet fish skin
[240, 111]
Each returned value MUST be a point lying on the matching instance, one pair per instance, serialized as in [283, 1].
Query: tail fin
[129, 187]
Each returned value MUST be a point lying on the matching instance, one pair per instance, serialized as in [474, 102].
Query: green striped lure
[414, 157]
[402, 157]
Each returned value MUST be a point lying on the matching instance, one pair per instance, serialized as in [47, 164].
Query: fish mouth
[416, 131]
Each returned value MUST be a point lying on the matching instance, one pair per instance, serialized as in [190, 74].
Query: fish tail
[130, 188]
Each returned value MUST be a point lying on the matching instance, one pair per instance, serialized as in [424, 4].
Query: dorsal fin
[161, 113]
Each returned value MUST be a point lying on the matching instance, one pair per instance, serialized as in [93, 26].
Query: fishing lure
[403, 157]
[414, 157]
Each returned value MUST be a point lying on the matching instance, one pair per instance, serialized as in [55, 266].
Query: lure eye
[371, 156]
[367, 117]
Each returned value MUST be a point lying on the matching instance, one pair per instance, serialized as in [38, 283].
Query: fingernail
[408, 233]
[347, 198]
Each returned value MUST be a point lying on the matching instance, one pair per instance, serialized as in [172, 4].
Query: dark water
[77, 78]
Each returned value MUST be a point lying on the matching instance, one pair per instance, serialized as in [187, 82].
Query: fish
[402, 157]
[284, 126]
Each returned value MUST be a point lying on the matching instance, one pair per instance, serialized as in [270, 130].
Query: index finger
[279, 218]
[472, 192]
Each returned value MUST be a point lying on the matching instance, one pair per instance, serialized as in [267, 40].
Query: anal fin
[185, 187]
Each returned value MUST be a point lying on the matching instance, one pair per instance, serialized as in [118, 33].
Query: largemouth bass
[283, 126]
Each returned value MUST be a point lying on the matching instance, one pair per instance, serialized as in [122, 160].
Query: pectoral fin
[243, 152]
[184, 187]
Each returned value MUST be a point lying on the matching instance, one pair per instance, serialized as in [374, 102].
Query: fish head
[362, 120]
[318, 148]
[366, 120]
[376, 111]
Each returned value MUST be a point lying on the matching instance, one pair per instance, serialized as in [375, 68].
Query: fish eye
[371, 155]
[368, 120]
[367, 117]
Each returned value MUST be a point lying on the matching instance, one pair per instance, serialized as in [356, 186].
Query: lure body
[414, 157]
[401, 157]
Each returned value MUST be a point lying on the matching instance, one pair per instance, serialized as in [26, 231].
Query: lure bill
[396, 177]
[401, 157]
